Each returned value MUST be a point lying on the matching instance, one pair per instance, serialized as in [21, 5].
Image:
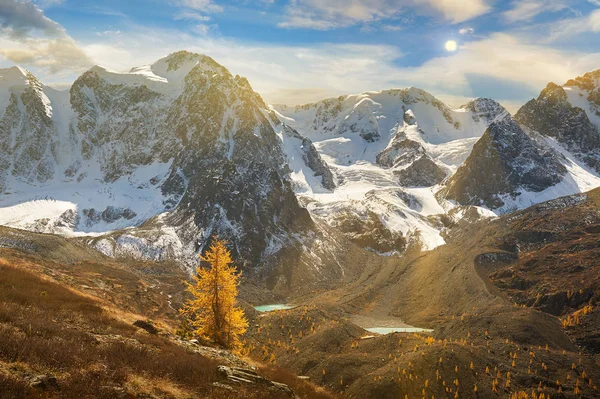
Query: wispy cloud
[49, 3]
[191, 15]
[574, 26]
[54, 55]
[330, 14]
[526, 10]
[296, 74]
[206, 6]
[514, 60]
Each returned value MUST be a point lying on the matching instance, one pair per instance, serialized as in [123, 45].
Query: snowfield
[45, 208]
[338, 128]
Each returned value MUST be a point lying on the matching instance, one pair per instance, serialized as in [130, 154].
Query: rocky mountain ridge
[154, 161]
[550, 149]
[182, 138]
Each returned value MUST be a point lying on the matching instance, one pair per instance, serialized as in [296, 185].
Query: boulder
[238, 375]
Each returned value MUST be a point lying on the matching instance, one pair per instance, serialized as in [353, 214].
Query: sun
[451, 45]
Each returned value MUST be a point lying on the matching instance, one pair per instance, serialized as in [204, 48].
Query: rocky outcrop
[401, 151]
[589, 83]
[312, 158]
[245, 376]
[485, 109]
[413, 167]
[504, 163]
[370, 233]
[421, 173]
[552, 115]
[109, 215]
[44, 382]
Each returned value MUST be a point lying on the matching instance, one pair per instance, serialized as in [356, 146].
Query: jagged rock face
[312, 158]
[552, 115]
[183, 132]
[402, 152]
[421, 173]
[418, 142]
[28, 145]
[484, 109]
[590, 84]
[412, 166]
[374, 115]
[109, 215]
[370, 232]
[115, 123]
[504, 162]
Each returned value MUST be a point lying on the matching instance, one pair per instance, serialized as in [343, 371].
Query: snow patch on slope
[139, 193]
[579, 179]
[350, 131]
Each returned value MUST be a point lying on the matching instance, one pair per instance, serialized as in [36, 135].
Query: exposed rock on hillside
[504, 163]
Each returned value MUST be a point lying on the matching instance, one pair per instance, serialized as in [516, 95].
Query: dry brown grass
[158, 387]
[50, 329]
[91, 346]
[302, 388]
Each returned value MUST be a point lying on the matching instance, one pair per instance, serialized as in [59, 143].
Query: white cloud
[301, 74]
[191, 15]
[49, 3]
[55, 55]
[21, 23]
[109, 33]
[392, 28]
[466, 31]
[20, 18]
[203, 29]
[574, 26]
[526, 10]
[505, 58]
[330, 14]
[207, 6]
[455, 11]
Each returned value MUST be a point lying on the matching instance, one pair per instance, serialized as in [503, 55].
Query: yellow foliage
[212, 312]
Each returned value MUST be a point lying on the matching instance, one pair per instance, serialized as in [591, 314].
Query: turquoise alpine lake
[271, 308]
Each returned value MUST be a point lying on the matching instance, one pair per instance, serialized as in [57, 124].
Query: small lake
[271, 308]
[390, 330]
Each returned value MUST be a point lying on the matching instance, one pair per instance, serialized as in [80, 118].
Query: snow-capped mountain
[507, 160]
[181, 145]
[153, 161]
[550, 149]
[386, 151]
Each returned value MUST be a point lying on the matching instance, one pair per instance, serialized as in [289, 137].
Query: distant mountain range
[151, 163]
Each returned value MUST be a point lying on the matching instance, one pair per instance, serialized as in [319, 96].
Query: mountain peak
[165, 75]
[504, 163]
[486, 108]
[177, 65]
[589, 81]
[14, 76]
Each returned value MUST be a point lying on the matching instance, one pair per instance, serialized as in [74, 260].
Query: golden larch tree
[212, 313]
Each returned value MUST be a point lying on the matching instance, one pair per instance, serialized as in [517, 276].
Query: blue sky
[296, 51]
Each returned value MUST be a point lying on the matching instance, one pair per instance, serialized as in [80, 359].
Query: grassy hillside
[74, 324]
[513, 303]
